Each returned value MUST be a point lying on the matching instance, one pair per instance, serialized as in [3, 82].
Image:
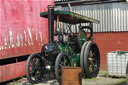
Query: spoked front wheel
[34, 68]
[62, 60]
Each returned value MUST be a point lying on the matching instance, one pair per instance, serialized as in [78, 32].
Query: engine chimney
[51, 23]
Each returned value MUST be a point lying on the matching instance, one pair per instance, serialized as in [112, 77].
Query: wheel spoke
[94, 55]
[33, 61]
[90, 53]
[31, 64]
[31, 75]
[37, 74]
[35, 77]
[60, 65]
[94, 66]
[36, 62]
[90, 68]
[65, 60]
[91, 59]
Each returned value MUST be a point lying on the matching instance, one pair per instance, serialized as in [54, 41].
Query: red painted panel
[22, 30]
[11, 71]
[108, 42]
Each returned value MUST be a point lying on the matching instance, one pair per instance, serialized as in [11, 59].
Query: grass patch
[91, 79]
[121, 81]
[14, 83]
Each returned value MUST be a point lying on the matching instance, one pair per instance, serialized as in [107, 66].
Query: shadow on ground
[102, 79]
[46, 81]
[121, 83]
[7, 82]
[42, 83]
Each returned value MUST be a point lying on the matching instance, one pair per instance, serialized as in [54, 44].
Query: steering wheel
[60, 36]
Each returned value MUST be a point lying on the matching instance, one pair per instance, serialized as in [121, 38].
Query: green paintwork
[83, 38]
[70, 17]
[75, 59]
[122, 52]
[65, 48]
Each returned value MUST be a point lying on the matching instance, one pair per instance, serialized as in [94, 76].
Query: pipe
[51, 23]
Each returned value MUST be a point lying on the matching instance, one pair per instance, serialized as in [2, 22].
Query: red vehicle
[21, 34]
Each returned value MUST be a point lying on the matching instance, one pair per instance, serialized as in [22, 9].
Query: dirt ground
[102, 79]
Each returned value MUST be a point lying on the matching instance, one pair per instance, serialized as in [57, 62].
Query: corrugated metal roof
[82, 2]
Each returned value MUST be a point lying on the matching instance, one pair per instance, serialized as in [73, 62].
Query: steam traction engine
[70, 49]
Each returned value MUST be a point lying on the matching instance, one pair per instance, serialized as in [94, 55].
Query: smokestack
[51, 23]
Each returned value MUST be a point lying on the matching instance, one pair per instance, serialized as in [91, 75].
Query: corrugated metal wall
[113, 16]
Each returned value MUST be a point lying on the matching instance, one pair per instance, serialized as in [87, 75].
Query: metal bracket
[70, 8]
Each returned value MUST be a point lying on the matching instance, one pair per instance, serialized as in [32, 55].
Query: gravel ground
[102, 79]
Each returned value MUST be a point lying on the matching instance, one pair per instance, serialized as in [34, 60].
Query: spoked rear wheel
[34, 68]
[91, 60]
[62, 60]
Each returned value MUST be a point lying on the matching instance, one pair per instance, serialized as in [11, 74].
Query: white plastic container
[116, 64]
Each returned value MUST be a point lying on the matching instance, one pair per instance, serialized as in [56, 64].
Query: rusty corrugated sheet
[12, 71]
[22, 30]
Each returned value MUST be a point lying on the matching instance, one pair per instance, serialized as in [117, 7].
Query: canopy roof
[70, 17]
